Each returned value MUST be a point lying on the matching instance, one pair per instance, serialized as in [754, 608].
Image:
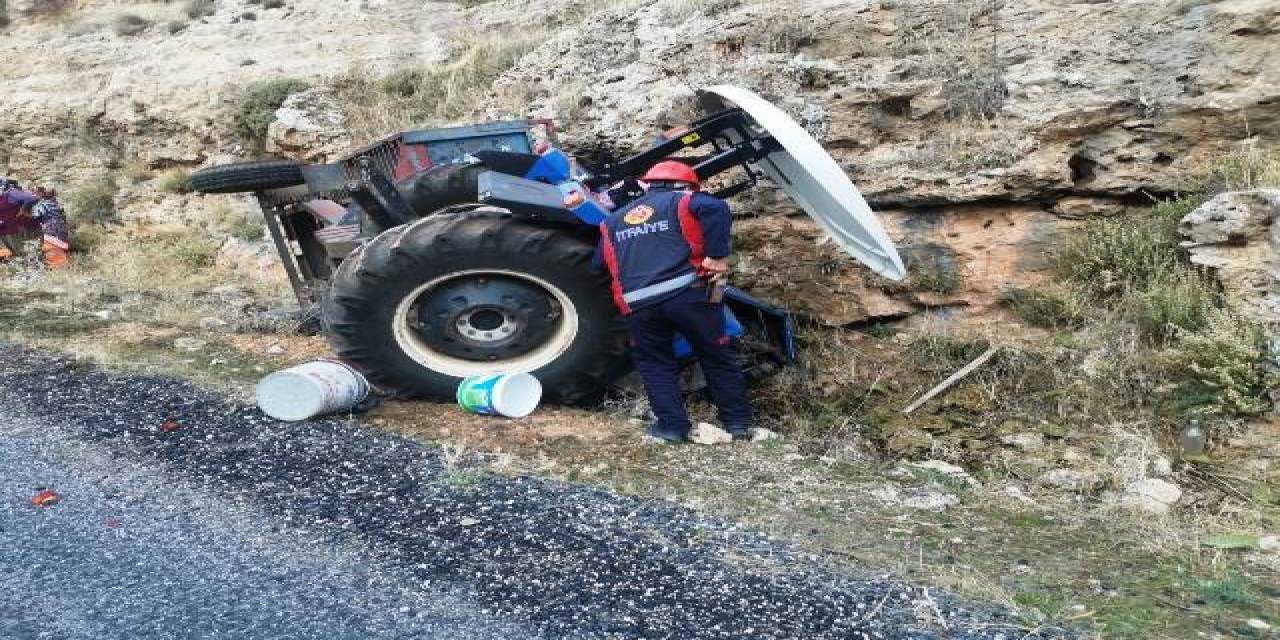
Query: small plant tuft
[175, 180]
[196, 9]
[129, 24]
[258, 109]
[94, 201]
[1048, 307]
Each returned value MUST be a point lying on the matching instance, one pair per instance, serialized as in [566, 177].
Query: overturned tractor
[438, 254]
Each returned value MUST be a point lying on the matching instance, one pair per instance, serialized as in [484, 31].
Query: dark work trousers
[701, 322]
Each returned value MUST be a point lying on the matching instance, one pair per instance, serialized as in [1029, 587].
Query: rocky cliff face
[982, 129]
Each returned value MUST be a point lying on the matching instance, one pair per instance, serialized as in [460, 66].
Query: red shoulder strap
[611, 261]
[691, 229]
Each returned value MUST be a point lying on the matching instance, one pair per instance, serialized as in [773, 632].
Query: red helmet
[672, 171]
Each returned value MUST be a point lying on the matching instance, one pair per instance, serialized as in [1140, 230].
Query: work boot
[667, 434]
[739, 432]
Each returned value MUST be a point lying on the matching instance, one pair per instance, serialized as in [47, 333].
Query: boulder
[707, 433]
[309, 127]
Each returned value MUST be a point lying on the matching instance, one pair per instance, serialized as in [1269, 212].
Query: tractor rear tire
[424, 305]
[248, 176]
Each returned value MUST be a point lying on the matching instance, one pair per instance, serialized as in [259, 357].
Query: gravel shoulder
[375, 535]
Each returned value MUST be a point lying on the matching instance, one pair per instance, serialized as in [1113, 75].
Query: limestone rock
[1071, 480]
[1150, 495]
[1023, 441]
[760, 434]
[187, 343]
[1237, 234]
[919, 498]
[1270, 543]
[945, 469]
[309, 127]
[709, 434]
[213, 324]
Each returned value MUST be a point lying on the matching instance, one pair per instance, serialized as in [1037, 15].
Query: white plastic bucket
[311, 389]
[514, 395]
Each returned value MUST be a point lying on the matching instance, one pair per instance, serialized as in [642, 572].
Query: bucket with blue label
[513, 395]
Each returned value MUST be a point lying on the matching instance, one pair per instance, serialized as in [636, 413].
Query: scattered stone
[944, 468]
[101, 315]
[792, 457]
[709, 434]
[468, 522]
[1269, 544]
[187, 343]
[212, 324]
[760, 434]
[1023, 441]
[929, 500]
[1150, 495]
[1258, 625]
[1160, 467]
[276, 350]
[1071, 480]
[228, 291]
[1018, 494]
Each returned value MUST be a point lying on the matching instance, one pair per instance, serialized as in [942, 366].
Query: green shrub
[174, 180]
[1177, 300]
[194, 251]
[196, 9]
[1114, 255]
[129, 24]
[86, 237]
[1051, 308]
[1221, 367]
[258, 109]
[94, 201]
[175, 26]
[272, 4]
[245, 226]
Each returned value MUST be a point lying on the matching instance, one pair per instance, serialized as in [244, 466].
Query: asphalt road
[235, 526]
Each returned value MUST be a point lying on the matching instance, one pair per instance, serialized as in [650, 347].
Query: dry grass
[94, 201]
[956, 43]
[434, 93]
[974, 145]
[175, 180]
[1249, 165]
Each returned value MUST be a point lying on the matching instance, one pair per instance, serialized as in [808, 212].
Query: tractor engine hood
[813, 179]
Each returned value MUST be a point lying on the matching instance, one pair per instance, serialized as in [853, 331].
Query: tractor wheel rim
[484, 321]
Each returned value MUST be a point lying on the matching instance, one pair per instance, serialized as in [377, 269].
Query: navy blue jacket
[654, 246]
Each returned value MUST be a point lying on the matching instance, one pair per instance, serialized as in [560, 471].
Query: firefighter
[664, 252]
[15, 225]
[55, 242]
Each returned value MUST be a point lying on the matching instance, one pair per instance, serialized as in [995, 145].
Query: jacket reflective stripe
[660, 288]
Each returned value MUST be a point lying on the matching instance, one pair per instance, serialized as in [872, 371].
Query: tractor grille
[384, 153]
